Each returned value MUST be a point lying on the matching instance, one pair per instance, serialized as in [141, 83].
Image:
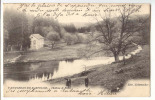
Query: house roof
[38, 36]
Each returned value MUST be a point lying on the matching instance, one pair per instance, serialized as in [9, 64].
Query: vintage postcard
[76, 50]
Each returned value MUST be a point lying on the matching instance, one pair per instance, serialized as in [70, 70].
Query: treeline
[141, 35]
[72, 29]
[16, 30]
[19, 26]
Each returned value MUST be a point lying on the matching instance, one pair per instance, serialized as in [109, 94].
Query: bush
[53, 37]
[68, 39]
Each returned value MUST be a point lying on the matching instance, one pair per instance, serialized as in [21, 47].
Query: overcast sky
[145, 9]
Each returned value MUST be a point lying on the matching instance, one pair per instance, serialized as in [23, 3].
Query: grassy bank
[60, 52]
[10, 55]
[114, 75]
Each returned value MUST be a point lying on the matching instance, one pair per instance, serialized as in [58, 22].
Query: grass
[63, 53]
[114, 75]
[60, 52]
[10, 55]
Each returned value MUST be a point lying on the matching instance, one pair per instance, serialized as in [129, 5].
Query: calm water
[42, 71]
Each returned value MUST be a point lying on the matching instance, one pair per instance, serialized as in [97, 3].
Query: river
[42, 71]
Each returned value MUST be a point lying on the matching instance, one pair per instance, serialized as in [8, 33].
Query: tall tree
[116, 32]
[16, 25]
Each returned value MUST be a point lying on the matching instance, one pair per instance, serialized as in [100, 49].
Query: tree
[145, 37]
[6, 37]
[70, 28]
[81, 37]
[126, 45]
[68, 38]
[53, 37]
[16, 26]
[116, 32]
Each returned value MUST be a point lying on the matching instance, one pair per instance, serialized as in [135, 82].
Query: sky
[87, 13]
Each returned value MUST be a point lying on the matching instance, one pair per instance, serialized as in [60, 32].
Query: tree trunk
[123, 52]
[53, 44]
[124, 59]
[116, 57]
[11, 48]
[7, 48]
[21, 47]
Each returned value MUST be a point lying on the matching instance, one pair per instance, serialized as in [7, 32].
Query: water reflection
[41, 71]
[69, 60]
[41, 77]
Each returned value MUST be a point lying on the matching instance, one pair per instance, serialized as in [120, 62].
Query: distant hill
[79, 24]
[84, 24]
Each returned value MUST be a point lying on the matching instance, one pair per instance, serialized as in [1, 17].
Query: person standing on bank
[86, 82]
[69, 83]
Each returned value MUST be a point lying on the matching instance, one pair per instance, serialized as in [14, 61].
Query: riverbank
[115, 75]
[61, 52]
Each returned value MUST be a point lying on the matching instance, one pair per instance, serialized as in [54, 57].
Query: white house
[37, 41]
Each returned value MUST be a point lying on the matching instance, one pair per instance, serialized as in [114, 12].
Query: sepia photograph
[76, 49]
